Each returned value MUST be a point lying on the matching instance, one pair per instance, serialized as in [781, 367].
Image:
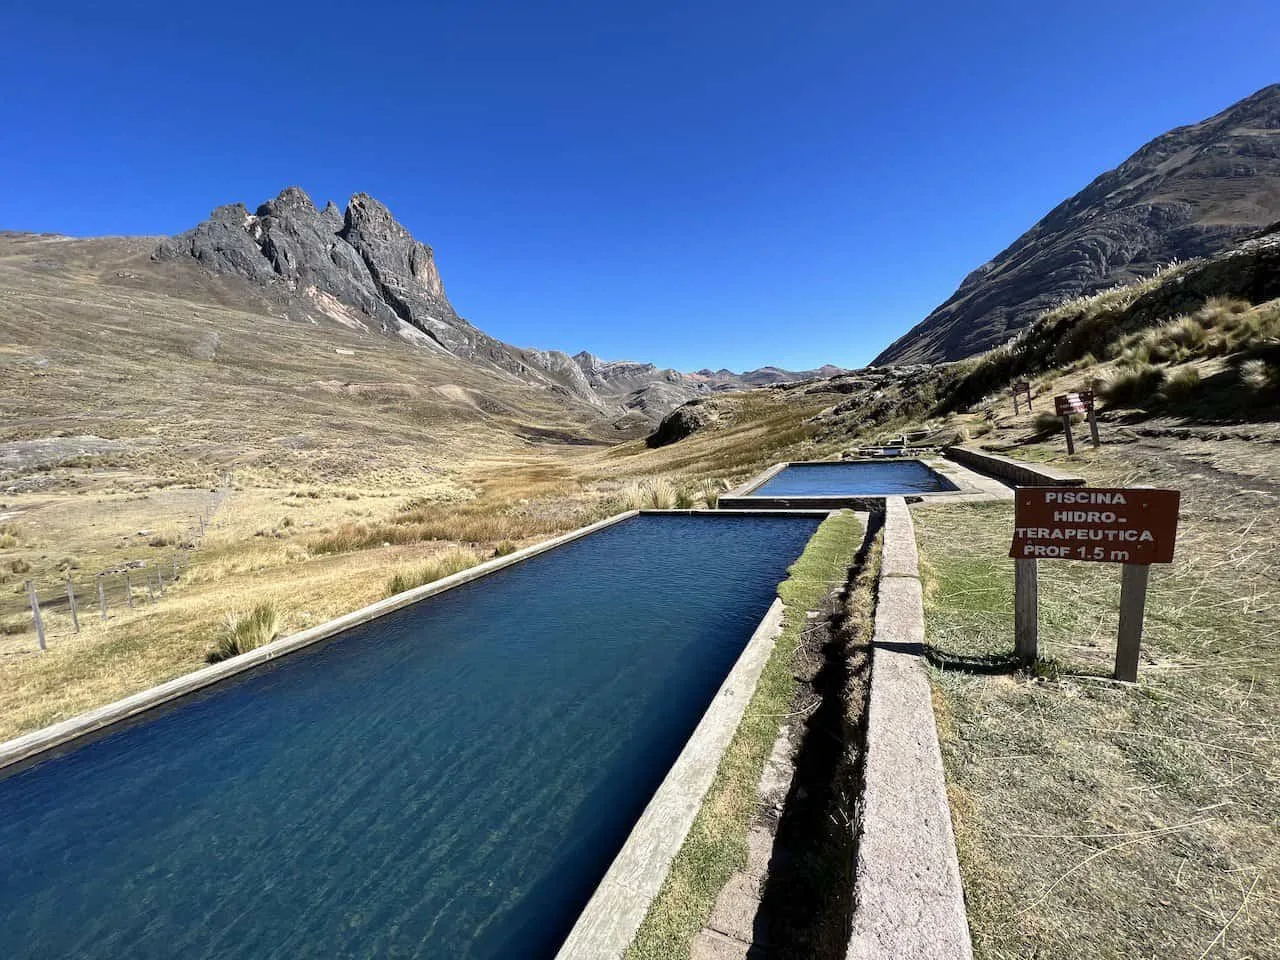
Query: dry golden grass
[1098, 820]
[445, 563]
[242, 632]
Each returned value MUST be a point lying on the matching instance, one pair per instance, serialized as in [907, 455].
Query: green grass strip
[717, 843]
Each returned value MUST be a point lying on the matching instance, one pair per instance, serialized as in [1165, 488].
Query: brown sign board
[1067, 403]
[1111, 525]
[1020, 386]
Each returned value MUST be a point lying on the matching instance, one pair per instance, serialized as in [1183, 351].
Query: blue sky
[697, 184]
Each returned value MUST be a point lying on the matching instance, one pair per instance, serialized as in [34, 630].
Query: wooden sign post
[1081, 402]
[1136, 527]
[1021, 389]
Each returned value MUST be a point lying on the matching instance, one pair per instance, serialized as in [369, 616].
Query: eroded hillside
[1191, 192]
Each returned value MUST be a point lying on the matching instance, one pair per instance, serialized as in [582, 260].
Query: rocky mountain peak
[362, 266]
[290, 198]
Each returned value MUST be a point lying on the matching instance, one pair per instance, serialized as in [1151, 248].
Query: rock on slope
[1188, 193]
[362, 268]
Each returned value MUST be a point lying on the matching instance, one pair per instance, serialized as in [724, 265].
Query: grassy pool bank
[1095, 819]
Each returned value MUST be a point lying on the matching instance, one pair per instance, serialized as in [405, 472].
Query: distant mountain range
[361, 268]
[1191, 192]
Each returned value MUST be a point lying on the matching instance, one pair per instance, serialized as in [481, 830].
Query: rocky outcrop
[1192, 192]
[683, 421]
[361, 266]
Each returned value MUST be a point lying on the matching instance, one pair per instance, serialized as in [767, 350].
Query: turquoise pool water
[451, 780]
[854, 479]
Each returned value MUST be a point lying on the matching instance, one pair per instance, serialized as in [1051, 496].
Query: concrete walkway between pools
[908, 900]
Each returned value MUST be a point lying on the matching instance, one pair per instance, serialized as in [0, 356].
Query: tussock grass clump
[504, 548]
[1137, 355]
[1132, 387]
[710, 490]
[632, 496]
[1176, 340]
[1235, 325]
[1046, 422]
[245, 631]
[657, 493]
[1260, 377]
[8, 537]
[661, 494]
[437, 568]
[1223, 312]
[1181, 384]
[19, 566]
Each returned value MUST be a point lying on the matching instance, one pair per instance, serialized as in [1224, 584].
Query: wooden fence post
[1026, 610]
[151, 593]
[35, 613]
[1133, 605]
[1093, 427]
[128, 589]
[102, 600]
[71, 598]
[1066, 428]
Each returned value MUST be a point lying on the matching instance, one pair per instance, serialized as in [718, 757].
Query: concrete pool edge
[971, 487]
[908, 892]
[1017, 472]
[30, 746]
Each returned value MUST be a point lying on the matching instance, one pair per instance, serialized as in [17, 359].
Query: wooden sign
[1064, 405]
[1068, 403]
[1021, 389]
[1135, 525]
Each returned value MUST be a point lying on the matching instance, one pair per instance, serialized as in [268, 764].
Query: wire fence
[83, 598]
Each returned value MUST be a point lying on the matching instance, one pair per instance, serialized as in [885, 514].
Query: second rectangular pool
[854, 478]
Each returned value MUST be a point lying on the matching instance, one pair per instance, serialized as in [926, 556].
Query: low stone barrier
[1017, 472]
[908, 899]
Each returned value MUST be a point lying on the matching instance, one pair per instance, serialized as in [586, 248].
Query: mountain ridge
[360, 267]
[1190, 192]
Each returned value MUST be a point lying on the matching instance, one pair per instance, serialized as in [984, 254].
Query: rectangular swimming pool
[449, 780]
[854, 478]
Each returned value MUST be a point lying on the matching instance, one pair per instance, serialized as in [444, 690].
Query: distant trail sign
[1021, 389]
[1110, 525]
[1065, 404]
[1134, 526]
